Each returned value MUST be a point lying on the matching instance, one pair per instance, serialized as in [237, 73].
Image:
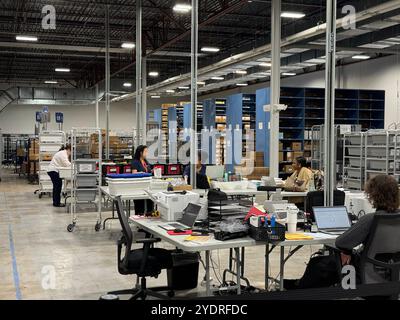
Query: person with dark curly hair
[383, 194]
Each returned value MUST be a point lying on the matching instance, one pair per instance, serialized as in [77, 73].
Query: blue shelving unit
[240, 115]
[306, 108]
[263, 97]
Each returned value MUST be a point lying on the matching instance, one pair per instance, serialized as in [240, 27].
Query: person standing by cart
[60, 160]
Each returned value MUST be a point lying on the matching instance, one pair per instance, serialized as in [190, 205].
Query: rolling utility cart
[85, 174]
[50, 143]
[354, 161]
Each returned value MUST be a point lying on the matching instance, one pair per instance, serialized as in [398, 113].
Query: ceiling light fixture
[127, 84]
[242, 84]
[217, 78]
[62, 70]
[170, 91]
[50, 82]
[210, 49]
[201, 83]
[153, 74]
[184, 88]
[289, 74]
[241, 72]
[360, 57]
[26, 38]
[292, 15]
[265, 64]
[128, 45]
[182, 8]
[155, 97]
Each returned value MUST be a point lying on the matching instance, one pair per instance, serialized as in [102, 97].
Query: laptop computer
[215, 172]
[189, 217]
[332, 220]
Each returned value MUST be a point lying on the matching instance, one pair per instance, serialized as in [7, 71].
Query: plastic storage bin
[49, 148]
[85, 166]
[86, 181]
[356, 163]
[51, 139]
[378, 164]
[125, 185]
[354, 173]
[356, 140]
[377, 152]
[86, 195]
[379, 139]
[354, 151]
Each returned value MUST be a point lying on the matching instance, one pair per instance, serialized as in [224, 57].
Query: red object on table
[184, 233]
[254, 212]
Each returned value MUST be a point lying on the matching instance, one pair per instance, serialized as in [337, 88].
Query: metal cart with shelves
[50, 143]
[85, 174]
[354, 160]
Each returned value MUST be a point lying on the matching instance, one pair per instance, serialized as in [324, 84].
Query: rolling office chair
[316, 199]
[145, 262]
[383, 243]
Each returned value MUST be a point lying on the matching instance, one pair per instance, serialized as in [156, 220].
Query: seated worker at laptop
[322, 271]
[201, 177]
[301, 178]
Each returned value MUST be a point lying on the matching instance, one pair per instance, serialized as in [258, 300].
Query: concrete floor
[39, 259]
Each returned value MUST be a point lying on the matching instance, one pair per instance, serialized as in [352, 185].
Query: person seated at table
[201, 177]
[322, 271]
[140, 164]
[301, 178]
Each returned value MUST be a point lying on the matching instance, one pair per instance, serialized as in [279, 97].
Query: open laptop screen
[331, 217]
[190, 215]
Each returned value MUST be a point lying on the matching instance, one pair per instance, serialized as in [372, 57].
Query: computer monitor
[331, 218]
[215, 172]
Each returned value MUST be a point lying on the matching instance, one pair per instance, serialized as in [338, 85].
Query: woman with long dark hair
[140, 164]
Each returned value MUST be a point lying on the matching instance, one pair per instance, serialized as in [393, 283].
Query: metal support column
[97, 106]
[275, 87]
[144, 100]
[329, 127]
[193, 115]
[138, 71]
[107, 82]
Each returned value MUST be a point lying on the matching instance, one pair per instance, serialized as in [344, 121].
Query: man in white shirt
[60, 160]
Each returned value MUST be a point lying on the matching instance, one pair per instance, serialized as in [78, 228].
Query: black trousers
[57, 187]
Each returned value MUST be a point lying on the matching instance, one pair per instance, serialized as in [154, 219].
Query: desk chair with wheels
[380, 259]
[316, 199]
[145, 262]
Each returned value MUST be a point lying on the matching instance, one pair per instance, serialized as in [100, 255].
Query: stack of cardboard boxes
[256, 171]
[296, 151]
[116, 146]
[34, 150]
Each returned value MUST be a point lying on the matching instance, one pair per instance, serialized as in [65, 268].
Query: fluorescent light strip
[128, 45]
[217, 78]
[153, 74]
[26, 38]
[210, 49]
[241, 72]
[170, 91]
[292, 15]
[289, 74]
[155, 97]
[127, 84]
[184, 88]
[360, 57]
[182, 8]
[50, 82]
[242, 84]
[62, 70]
[265, 64]
[201, 83]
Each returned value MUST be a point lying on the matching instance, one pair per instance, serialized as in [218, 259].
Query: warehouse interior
[97, 108]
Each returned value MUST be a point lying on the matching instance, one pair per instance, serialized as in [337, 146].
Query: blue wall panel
[263, 97]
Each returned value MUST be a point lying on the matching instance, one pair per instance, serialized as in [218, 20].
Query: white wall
[382, 74]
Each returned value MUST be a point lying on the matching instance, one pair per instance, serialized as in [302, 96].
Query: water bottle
[273, 223]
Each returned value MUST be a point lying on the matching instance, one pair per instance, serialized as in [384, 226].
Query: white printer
[171, 204]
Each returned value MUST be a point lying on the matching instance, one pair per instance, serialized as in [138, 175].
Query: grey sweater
[356, 235]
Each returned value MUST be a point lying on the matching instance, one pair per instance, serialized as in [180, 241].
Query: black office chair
[145, 262]
[316, 199]
[380, 259]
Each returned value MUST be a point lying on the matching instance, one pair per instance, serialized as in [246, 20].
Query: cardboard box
[280, 156]
[183, 188]
[296, 146]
